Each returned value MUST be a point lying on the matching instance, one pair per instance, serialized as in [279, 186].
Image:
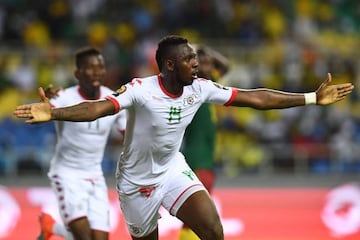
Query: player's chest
[165, 111]
[98, 126]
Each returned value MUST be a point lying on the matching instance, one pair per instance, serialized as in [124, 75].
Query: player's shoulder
[137, 86]
[144, 81]
[142, 84]
[201, 81]
[105, 91]
[198, 83]
[67, 91]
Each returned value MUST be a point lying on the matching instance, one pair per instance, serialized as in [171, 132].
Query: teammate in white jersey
[75, 172]
[151, 171]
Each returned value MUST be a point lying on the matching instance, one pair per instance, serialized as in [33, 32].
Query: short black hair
[164, 46]
[83, 53]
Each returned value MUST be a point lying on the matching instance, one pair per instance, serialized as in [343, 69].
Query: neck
[171, 85]
[94, 94]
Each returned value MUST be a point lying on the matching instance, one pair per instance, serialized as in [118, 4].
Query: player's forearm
[278, 100]
[264, 99]
[83, 112]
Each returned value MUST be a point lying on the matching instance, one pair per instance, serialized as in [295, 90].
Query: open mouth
[96, 83]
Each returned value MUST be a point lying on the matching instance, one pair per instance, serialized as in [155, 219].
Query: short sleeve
[216, 93]
[127, 95]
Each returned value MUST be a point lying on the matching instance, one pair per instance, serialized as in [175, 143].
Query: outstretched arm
[82, 112]
[273, 99]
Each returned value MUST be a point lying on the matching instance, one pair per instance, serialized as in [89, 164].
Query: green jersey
[199, 144]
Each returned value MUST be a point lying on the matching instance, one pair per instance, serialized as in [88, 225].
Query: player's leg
[50, 227]
[80, 229]
[152, 236]
[73, 196]
[207, 177]
[99, 210]
[200, 214]
[99, 235]
[186, 198]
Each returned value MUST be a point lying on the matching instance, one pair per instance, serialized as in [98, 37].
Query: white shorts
[140, 204]
[79, 197]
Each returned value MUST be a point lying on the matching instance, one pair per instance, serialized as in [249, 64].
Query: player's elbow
[256, 103]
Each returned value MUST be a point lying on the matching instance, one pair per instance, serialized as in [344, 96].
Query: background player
[75, 173]
[151, 171]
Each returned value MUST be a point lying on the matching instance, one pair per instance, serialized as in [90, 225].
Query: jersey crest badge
[190, 100]
[121, 90]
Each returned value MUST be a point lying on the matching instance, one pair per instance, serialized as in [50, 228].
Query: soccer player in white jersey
[75, 172]
[151, 171]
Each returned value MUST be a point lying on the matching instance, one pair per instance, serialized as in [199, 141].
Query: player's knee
[215, 233]
[213, 230]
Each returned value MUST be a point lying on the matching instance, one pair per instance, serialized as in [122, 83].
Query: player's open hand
[327, 94]
[35, 112]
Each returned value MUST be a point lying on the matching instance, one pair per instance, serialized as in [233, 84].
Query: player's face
[92, 73]
[186, 67]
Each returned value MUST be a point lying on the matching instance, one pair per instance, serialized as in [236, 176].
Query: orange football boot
[47, 223]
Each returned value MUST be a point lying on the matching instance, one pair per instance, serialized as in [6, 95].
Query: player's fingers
[329, 79]
[345, 85]
[29, 121]
[23, 107]
[22, 110]
[22, 114]
[339, 98]
[344, 89]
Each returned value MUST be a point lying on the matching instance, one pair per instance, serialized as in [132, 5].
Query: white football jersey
[80, 145]
[156, 123]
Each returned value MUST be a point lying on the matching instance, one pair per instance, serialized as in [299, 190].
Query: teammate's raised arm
[82, 112]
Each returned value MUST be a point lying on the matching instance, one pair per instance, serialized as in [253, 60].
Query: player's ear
[169, 64]
[77, 73]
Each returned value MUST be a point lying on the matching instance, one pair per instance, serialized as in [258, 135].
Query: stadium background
[294, 157]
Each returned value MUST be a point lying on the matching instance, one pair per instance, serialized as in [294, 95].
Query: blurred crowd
[283, 44]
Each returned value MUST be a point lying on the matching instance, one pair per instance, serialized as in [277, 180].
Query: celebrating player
[75, 173]
[151, 171]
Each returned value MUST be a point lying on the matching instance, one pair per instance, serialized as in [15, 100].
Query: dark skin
[178, 70]
[91, 75]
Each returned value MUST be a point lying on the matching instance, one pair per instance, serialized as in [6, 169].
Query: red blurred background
[247, 214]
